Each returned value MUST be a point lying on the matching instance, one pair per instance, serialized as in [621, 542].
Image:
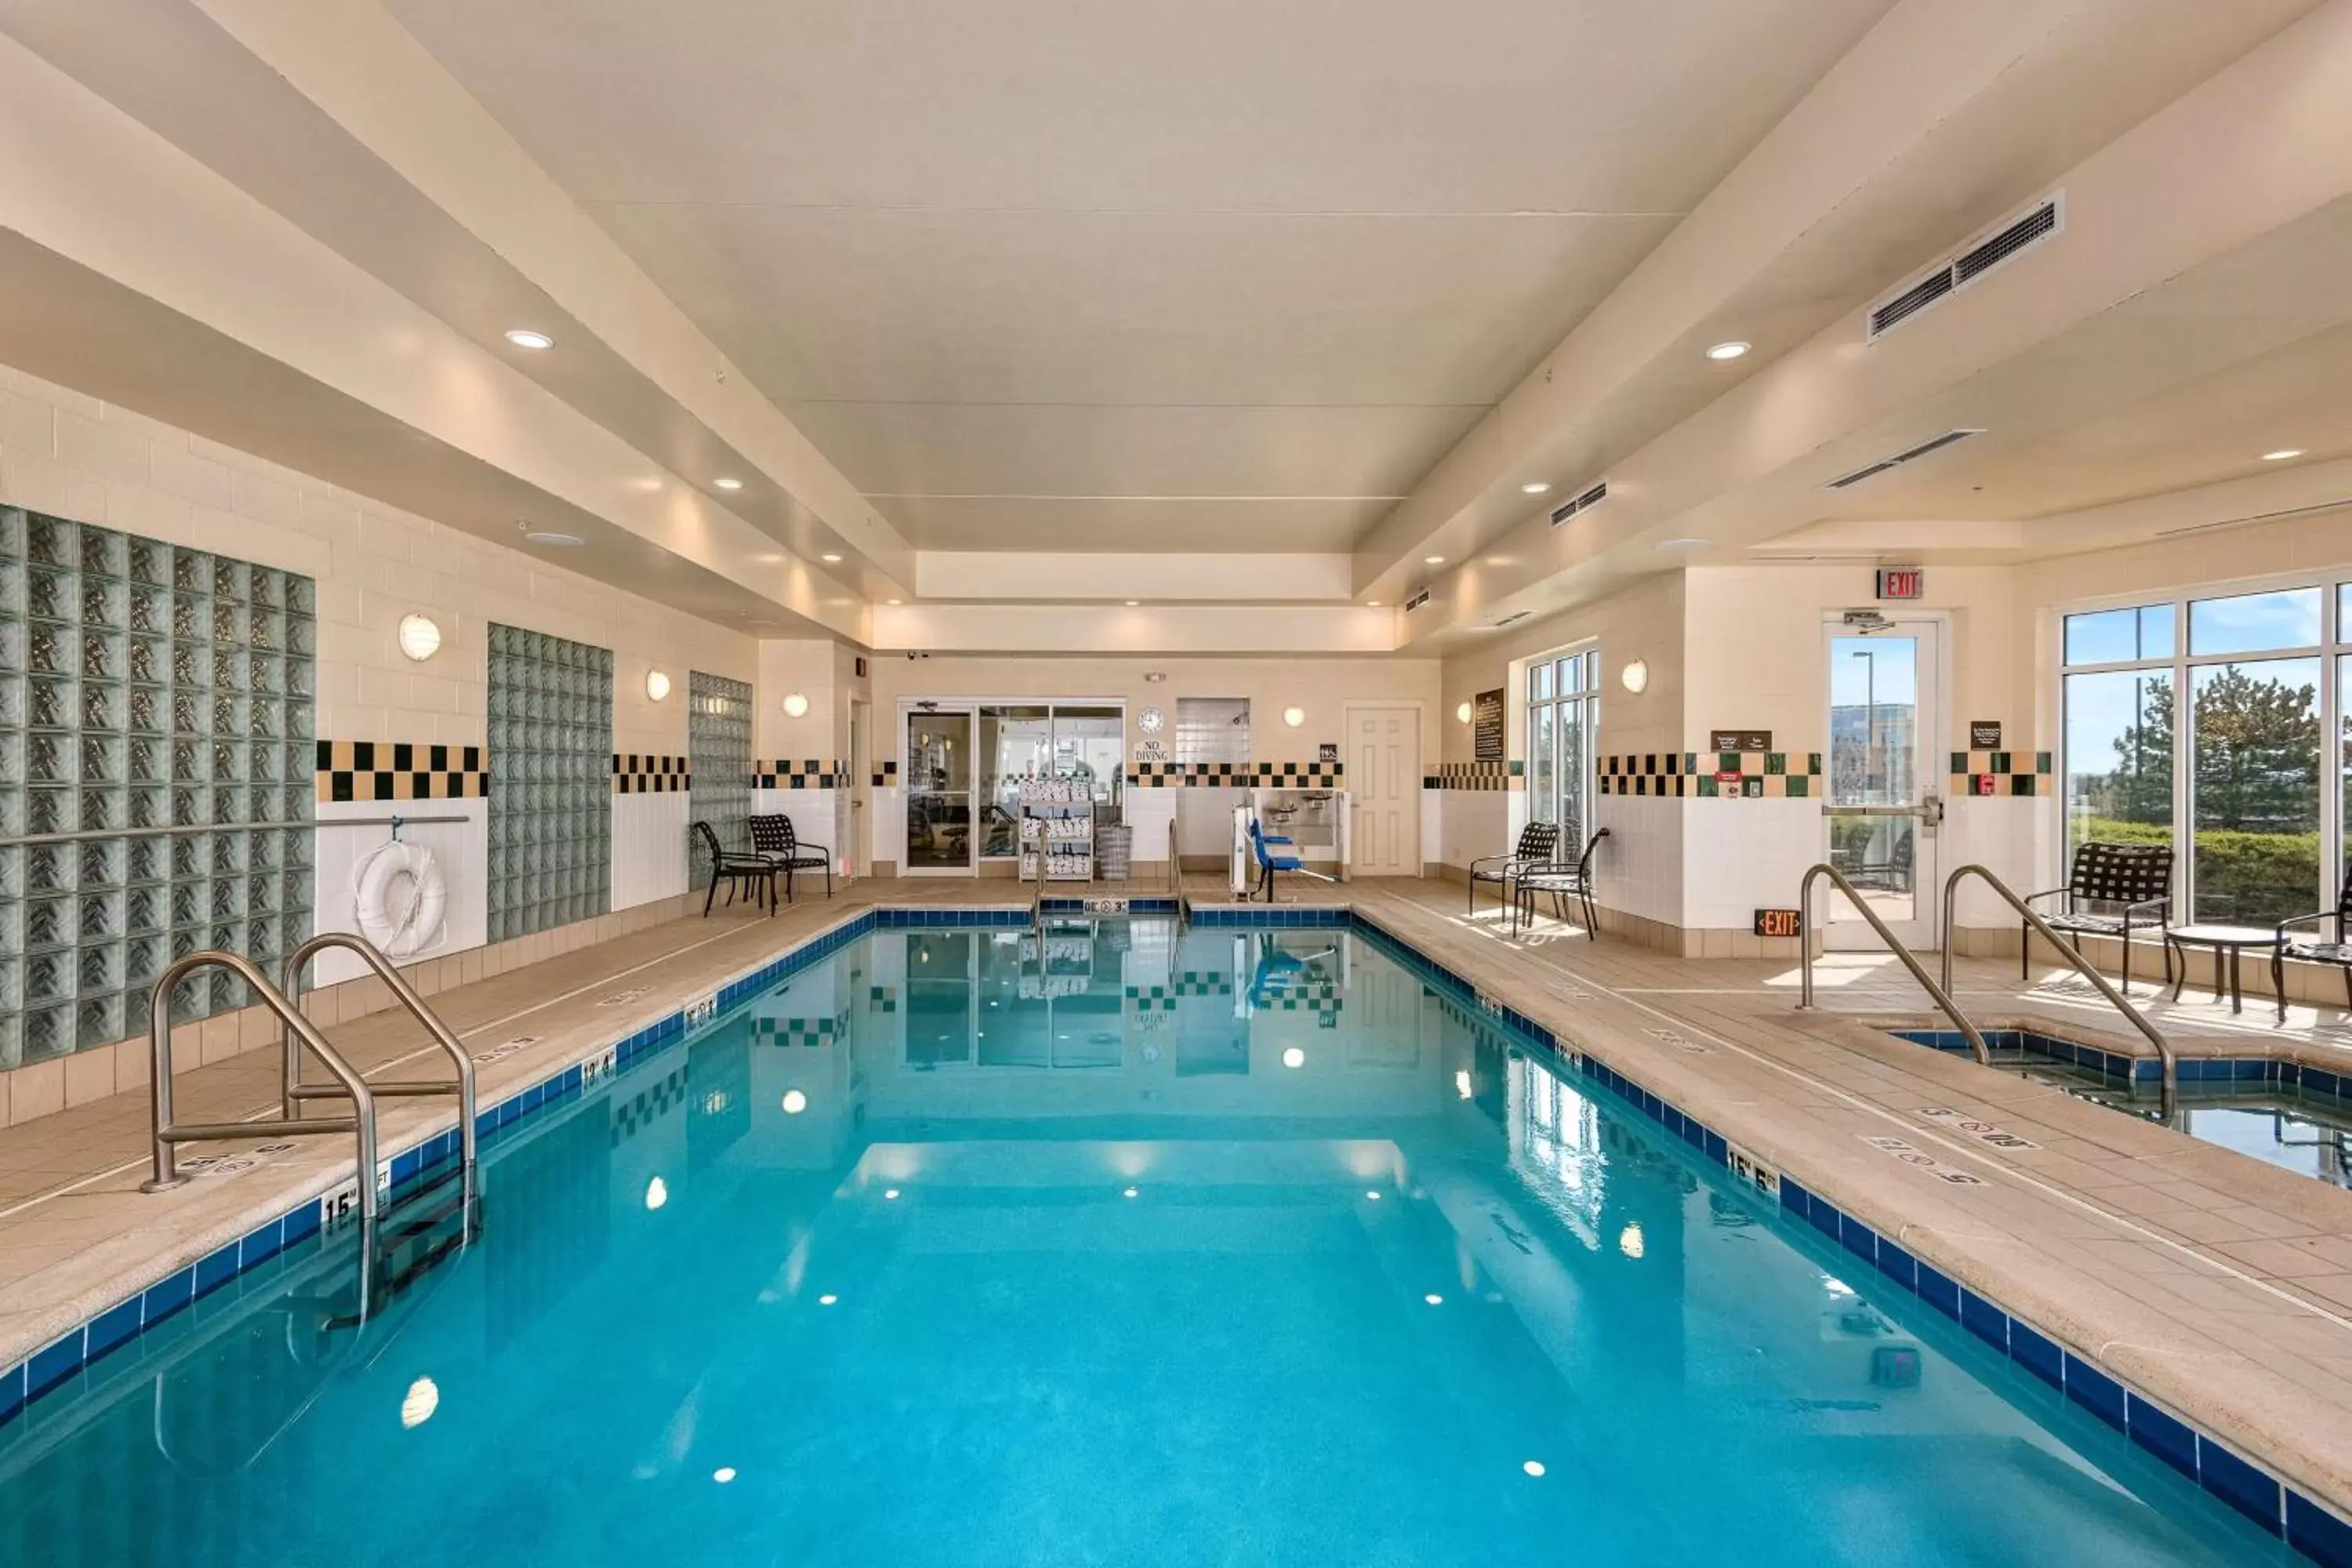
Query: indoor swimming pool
[1120, 1243]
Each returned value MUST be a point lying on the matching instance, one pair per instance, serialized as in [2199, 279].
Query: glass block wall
[551, 781]
[718, 759]
[156, 706]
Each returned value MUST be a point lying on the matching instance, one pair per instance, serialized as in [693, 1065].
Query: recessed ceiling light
[1731, 350]
[830, 559]
[894, 601]
[2281, 455]
[729, 484]
[524, 338]
[1132, 603]
[1433, 560]
[1682, 544]
[1371, 604]
[1533, 488]
[553, 540]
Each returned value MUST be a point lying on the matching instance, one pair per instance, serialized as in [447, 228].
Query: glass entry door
[1885, 801]
[939, 791]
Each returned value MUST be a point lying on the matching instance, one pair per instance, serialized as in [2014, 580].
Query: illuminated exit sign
[1901, 582]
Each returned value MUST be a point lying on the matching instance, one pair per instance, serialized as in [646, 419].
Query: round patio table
[2228, 944]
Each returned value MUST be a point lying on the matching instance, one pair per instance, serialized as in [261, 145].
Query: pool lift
[1259, 854]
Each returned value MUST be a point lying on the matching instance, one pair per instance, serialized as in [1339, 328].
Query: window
[1048, 740]
[1563, 727]
[2244, 767]
[719, 761]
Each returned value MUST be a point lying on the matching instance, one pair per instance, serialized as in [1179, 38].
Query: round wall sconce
[420, 639]
[1294, 717]
[795, 1101]
[657, 685]
[1462, 712]
[1635, 676]
[795, 705]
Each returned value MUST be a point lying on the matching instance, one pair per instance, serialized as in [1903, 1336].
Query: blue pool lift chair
[1274, 853]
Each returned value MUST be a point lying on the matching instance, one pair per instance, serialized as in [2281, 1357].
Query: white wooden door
[1384, 782]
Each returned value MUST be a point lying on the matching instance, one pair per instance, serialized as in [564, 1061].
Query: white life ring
[399, 898]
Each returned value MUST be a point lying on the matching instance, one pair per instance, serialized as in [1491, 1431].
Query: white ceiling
[1226, 276]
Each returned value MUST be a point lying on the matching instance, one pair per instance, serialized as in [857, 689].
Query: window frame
[1585, 701]
[2330, 652]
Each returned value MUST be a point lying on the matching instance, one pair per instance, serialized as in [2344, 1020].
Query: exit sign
[1901, 582]
[1778, 922]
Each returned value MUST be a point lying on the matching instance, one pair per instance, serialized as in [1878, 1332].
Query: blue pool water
[1225, 1248]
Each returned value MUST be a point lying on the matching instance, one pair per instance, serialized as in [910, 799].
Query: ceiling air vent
[1584, 502]
[1417, 601]
[1513, 619]
[2012, 238]
[1909, 453]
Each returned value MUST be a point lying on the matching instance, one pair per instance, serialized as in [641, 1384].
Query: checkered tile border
[397, 770]
[1190, 983]
[886, 776]
[1735, 776]
[1231, 776]
[883, 998]
[1482, 776]
[649, 1105]
[784, 774]
[797, 1031]
[2012, 773]
[636, 774]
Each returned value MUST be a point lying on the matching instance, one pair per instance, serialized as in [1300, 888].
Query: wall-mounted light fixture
[1635, 676]
[420, 639]
[1294, 717]
[657, 685]
[1462, 712]
[795, 705]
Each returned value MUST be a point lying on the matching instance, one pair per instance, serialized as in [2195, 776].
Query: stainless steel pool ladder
[299, 1034]
[1942, 994]
[462, 1086]
[2168, 1089]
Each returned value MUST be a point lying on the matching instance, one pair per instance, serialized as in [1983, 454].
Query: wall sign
[1739, 740]
[861, 666]
[1151, 751]
[1327, 752]
[1901, 582]
[1778, 922]
[1984, 734]
[1486, 726]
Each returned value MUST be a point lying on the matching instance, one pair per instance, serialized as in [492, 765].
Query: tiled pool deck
[2214, 1287]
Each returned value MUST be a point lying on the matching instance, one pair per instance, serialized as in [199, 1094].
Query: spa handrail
[2169, 1088]
[169, 1134]
[1942, 994]
[296, 1090]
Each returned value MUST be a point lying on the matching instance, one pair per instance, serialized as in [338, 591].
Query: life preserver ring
[399, 898]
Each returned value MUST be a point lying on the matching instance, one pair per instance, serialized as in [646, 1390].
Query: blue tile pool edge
[57, 1363]
[2305, 1523]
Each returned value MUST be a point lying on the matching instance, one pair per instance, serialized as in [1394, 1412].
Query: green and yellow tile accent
[2012, 773]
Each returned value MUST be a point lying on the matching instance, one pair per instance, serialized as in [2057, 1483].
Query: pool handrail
[443, 1036]
[2168, 1092]
[169, 1134]
[1942, 994]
